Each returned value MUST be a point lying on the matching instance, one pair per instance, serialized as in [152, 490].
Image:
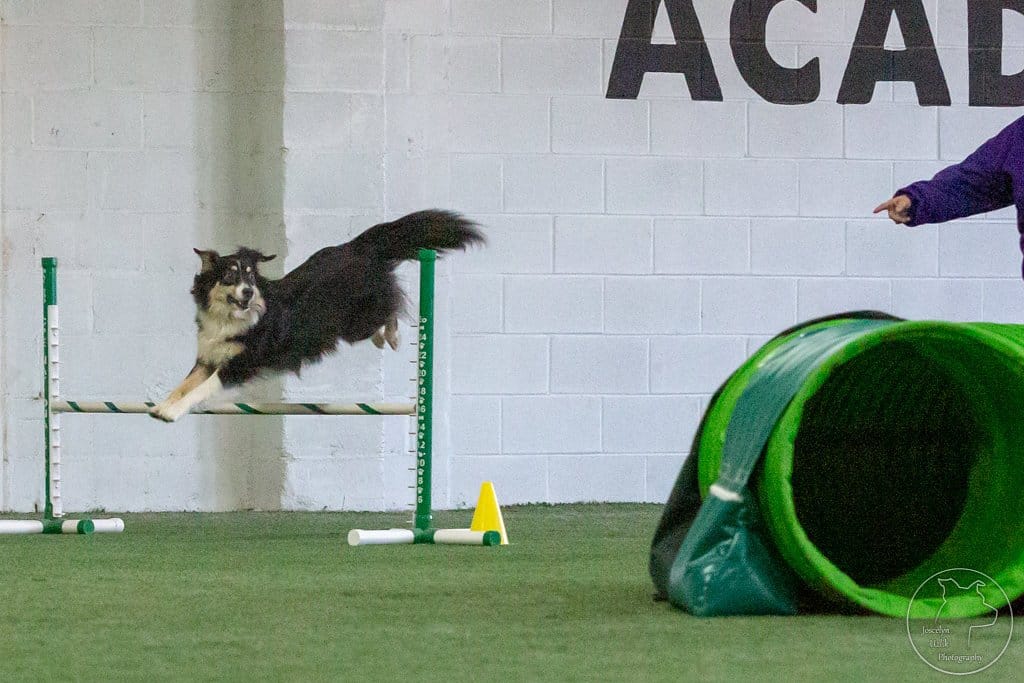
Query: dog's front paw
[168, 412]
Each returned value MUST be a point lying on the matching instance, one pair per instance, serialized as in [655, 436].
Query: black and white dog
[249, 324]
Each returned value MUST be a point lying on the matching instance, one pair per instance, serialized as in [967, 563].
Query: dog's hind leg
[388, 333]
[169, 411]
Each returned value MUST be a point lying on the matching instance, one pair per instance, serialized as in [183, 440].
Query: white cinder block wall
[639, 249]
[132, 132]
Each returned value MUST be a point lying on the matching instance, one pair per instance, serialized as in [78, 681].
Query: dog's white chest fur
[215, 331]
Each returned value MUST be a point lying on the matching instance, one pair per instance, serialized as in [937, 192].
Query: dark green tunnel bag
[726, 567]
[714, 557]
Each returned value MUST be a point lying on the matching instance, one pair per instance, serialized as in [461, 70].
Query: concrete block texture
[638, 250]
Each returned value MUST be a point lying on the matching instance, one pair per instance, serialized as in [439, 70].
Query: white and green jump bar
[242, 408]
[53, 521]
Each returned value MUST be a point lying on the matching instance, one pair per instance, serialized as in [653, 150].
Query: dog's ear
[209, 258]
[263, 258]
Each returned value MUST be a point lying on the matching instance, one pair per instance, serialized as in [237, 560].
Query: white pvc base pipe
[436, 536]
[380, 536]
[20, 526]
[67, 526]
[459, 537]
[114, 525]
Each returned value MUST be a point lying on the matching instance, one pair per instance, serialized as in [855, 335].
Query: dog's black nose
[247, 293]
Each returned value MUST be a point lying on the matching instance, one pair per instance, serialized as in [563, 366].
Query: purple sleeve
[978, 184]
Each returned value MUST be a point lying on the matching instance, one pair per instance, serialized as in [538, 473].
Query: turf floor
[280, 596]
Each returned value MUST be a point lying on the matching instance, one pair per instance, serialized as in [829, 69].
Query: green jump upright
[425, 390]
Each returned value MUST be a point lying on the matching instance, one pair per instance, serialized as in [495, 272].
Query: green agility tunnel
[898, 453]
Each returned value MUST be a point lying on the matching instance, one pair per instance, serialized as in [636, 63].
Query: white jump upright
[53, 521]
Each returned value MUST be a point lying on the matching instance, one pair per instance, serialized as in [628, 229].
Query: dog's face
[228, 286]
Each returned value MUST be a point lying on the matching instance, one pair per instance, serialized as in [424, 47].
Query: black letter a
[870, 62]
[635, 55]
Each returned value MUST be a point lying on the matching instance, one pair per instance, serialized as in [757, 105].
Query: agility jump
[54, 406]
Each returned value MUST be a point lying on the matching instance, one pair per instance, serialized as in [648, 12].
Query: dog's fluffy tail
[435, 229]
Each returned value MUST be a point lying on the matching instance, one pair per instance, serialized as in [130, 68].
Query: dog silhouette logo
[959, 621]
[949, 589]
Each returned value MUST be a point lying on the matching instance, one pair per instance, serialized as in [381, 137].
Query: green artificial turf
[280, 596]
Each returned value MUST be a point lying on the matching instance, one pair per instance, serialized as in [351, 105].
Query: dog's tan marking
[195, 377]
[217, 324]
[169, 412]
[220, 322]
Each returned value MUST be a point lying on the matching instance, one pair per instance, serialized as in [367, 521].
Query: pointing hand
[898, 208]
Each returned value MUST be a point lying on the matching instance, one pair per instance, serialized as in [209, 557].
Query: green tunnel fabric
[685, 498]
[725, 565]
[899, 453]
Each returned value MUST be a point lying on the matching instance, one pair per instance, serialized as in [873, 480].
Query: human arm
[978, 184]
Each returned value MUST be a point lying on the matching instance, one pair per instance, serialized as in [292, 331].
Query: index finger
[888, 204]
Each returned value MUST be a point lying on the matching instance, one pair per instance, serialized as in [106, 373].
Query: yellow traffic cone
[487, 516]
